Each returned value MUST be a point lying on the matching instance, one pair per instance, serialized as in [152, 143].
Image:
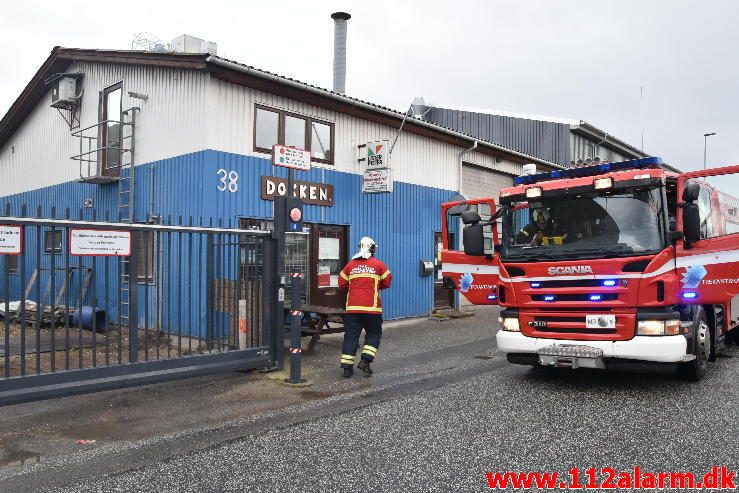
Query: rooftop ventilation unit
[192, 44]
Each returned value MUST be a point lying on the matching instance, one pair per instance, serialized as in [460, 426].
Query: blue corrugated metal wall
[185, 190]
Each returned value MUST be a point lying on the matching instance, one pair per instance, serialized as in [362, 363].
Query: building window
[295, 131]
[273, 126]
[53, 241]
[11, 263]
[267, 129]
[143, 243]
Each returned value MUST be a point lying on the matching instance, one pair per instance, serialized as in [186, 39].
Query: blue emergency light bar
[645, 162]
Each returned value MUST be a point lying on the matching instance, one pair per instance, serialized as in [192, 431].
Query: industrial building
[196, 132]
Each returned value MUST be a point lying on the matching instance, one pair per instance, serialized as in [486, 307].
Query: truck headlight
[658, 327]
[509, 324]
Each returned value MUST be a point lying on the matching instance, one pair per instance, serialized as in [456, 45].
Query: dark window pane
[294, 132]
[12, 263]
[144, 245]
[267, 128]
[53, 241]
[320, 141]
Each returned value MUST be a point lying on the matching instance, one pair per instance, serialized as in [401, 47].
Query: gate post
[296, 312]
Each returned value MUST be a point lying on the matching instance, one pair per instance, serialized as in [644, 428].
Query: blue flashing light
[596, 297]
[609, 283]
[645, 162]
[492, 297]
[535, 284]
[689, 295]
[550, 298]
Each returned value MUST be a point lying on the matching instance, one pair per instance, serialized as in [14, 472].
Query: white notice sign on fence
[10, 240]
[99, 242]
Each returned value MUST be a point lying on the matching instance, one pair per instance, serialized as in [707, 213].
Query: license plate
[600, 321]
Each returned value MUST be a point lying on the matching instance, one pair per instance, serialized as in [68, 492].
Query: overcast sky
[570, 59]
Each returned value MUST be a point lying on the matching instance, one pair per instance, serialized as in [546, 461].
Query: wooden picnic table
[321, 320]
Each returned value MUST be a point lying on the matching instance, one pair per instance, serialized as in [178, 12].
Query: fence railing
[72, 297]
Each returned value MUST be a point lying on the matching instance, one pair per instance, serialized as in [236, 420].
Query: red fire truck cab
[615, 265]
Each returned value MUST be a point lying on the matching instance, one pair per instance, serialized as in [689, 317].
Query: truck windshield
[570, 227]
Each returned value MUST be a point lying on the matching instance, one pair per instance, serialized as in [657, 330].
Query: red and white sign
[324, 276]
[291, 157]
[378, 181]
[11, 240]
[98, 242]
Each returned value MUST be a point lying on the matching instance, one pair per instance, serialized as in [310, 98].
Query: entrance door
[329, 257]
[111, 138]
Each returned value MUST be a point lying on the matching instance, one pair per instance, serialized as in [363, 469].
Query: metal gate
[80, 313]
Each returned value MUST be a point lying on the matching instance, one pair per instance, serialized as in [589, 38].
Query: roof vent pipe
[340, 19]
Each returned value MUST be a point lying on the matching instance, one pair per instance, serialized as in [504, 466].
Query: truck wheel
[695, 370]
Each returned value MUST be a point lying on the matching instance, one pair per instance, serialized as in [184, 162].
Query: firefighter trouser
[353, 325]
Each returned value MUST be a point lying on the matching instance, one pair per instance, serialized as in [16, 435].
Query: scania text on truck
[615, 265]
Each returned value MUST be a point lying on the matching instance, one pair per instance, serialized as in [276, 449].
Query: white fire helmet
[367, 247]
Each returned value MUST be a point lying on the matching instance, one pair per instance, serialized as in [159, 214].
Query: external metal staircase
[106, 156]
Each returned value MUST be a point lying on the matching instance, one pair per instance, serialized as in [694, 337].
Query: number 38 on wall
[229, 180]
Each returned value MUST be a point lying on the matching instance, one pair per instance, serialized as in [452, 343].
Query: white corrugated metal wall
[171, 123]
[187, 111]
[415, 159]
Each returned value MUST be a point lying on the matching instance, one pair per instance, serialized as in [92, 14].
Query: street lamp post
[705, 143]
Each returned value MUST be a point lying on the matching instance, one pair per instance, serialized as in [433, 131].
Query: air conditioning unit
[64, 93]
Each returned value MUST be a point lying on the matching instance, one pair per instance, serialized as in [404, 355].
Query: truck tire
[695, 370]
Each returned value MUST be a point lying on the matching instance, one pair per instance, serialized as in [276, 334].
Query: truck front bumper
[657, 349]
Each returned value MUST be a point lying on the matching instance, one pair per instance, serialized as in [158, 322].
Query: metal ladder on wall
[126, 208]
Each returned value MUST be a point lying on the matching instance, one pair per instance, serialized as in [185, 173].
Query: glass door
[329, 257]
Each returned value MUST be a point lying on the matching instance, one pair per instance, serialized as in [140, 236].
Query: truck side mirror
[691, 224]
[471, 217]
[474, 242]
[691, 192]
[691, 215]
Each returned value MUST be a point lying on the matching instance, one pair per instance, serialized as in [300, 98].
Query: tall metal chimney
[340, 19]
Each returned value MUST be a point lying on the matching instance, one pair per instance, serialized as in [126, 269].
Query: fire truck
[621, 265]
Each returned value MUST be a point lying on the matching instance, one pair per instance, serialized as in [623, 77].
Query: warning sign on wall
[83, 242]
[11, 242]
[378, 181]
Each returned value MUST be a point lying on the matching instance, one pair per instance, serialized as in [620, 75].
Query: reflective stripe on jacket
[364, 278]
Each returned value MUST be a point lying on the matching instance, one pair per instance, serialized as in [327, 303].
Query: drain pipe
[461, 157]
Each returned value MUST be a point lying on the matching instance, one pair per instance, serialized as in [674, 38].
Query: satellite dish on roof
[459, 208]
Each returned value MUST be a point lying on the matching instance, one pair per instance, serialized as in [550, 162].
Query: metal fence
[187, 300]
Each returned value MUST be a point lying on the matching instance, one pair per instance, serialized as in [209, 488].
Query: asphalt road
[442, 422]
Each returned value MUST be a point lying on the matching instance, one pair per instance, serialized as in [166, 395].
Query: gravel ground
[477, 416]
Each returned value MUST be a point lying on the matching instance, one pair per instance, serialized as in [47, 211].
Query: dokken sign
[308, 192]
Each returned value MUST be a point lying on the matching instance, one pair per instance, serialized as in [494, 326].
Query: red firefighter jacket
[364, 278]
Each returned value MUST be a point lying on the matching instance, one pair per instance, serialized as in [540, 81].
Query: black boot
[364, 365]
[348, 371]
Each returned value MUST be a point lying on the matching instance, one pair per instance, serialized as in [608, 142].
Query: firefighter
[531, 233]
[364, 276]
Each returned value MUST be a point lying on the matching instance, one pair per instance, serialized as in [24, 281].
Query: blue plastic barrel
[83, 318]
